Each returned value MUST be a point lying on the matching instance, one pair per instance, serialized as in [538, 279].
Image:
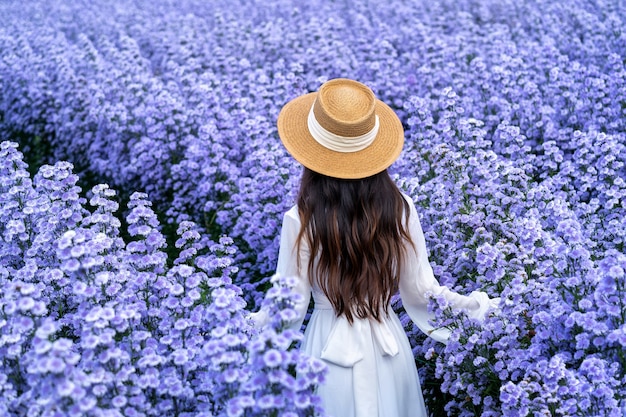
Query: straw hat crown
[341, 131]
[345, 109]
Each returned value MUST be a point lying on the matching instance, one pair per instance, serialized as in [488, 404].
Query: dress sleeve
[287, 266]
[417, 282]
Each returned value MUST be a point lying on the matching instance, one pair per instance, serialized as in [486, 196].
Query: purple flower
[272, 358]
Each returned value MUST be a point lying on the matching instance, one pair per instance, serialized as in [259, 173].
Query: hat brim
[379, 155]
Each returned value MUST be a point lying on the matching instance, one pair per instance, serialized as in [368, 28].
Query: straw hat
[341, 131]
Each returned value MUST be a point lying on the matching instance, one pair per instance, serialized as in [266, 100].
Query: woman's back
[357, 230]
[371, 366]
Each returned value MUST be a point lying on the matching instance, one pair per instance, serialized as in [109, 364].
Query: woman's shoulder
[293, 212]
[292, 216]
[406, 197]
[409, 200]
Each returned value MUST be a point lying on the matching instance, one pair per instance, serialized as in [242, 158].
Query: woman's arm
[417, 281]
[287, 266]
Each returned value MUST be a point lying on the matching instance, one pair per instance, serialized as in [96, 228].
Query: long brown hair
[357, 238]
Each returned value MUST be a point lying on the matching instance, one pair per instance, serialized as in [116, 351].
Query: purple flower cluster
[498, 224]
[282, 367]
[515, 155]
[94, 325]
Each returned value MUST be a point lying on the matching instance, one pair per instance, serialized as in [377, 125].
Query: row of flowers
[94, 325]
[555, 258]
[515, 149]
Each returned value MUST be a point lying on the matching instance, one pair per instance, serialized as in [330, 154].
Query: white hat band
[338, 143]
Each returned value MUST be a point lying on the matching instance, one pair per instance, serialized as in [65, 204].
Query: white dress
[371, 368]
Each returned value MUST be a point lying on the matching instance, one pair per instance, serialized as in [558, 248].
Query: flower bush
[93, 325]
[530, 246]
[515, 149]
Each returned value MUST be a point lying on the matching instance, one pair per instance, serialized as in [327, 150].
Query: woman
[354, 239]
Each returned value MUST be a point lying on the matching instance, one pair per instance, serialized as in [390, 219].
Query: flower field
[142, 187]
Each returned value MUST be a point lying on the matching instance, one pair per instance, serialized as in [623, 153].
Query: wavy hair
[357, 232]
